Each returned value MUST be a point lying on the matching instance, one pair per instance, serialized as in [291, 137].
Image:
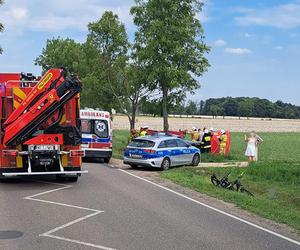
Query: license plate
[44, 147]
[136, 156]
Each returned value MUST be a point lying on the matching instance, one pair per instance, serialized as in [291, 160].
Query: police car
[160, 152]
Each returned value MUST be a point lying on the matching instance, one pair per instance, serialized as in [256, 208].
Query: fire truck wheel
[66, 178]
[106, 160]
[72, 179]
[2, 177]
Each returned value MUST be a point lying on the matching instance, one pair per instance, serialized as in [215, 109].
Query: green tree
[134, 90]
[170, 43]
[245, 108]
[123, 81]
[108, 36]
[78, 59]
[1, 27]
[216, 110]
[231, 107]
[62, 53]
[191, 108]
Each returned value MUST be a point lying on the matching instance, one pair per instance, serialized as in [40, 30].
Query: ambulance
[96, 131]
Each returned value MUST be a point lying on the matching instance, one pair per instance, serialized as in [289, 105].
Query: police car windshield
[141, 144]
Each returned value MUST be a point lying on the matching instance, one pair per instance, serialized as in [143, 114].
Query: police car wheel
[196, 160]
[133, 166]
[165, 165]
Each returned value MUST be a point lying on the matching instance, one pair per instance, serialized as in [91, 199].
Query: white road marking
[50, 233]
[215, 209]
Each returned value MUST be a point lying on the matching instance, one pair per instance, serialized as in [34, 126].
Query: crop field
[232, 124]
[274, 180]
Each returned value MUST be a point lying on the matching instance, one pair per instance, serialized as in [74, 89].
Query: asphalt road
[110, 209]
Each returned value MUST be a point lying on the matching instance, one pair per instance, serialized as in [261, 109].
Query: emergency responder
[195, 134]
[206, 142]
[133, 134]
[144, 131]
[223, 142]
[200, 132]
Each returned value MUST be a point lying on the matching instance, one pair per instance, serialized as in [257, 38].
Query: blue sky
[255, 45]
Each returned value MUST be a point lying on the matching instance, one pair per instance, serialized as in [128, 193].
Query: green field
[274, 180]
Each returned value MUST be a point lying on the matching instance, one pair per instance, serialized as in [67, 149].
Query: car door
[185, 152]
[174, 152]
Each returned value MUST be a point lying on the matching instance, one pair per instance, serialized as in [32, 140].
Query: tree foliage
[123, 80]
[108, 36]
[102, 62]
[169, 42]
[62, 53]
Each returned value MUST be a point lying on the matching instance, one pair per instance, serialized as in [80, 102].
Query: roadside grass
[120, 140]
[274, 180]
[276, 188]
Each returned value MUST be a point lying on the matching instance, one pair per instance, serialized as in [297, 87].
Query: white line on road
[215, 209]
[50, 233]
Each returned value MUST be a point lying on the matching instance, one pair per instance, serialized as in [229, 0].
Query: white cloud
[220, 43]
[19, 13]
[278, 47]
[238, 51]
[60, 15]
[247, 35]
[285, 16]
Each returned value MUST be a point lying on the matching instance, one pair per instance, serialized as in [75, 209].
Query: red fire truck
[40, 125]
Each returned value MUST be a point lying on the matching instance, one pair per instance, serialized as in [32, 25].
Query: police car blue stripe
[159, 153]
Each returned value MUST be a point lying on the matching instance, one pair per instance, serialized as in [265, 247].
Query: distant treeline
[228, 106]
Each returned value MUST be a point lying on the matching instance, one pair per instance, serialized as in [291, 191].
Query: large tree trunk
[133, 115]
[165, 108]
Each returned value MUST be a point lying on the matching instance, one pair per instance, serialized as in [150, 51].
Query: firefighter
[133, 134]
[206, 142]
[195, 134]
[144, 131]
[223, 141]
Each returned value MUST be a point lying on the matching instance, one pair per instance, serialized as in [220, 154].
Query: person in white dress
[253, 140]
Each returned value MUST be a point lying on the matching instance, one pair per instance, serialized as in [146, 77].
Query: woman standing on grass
[253, 140]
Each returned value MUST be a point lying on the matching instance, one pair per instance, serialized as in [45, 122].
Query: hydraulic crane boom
[51, 78]
[49, 95]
